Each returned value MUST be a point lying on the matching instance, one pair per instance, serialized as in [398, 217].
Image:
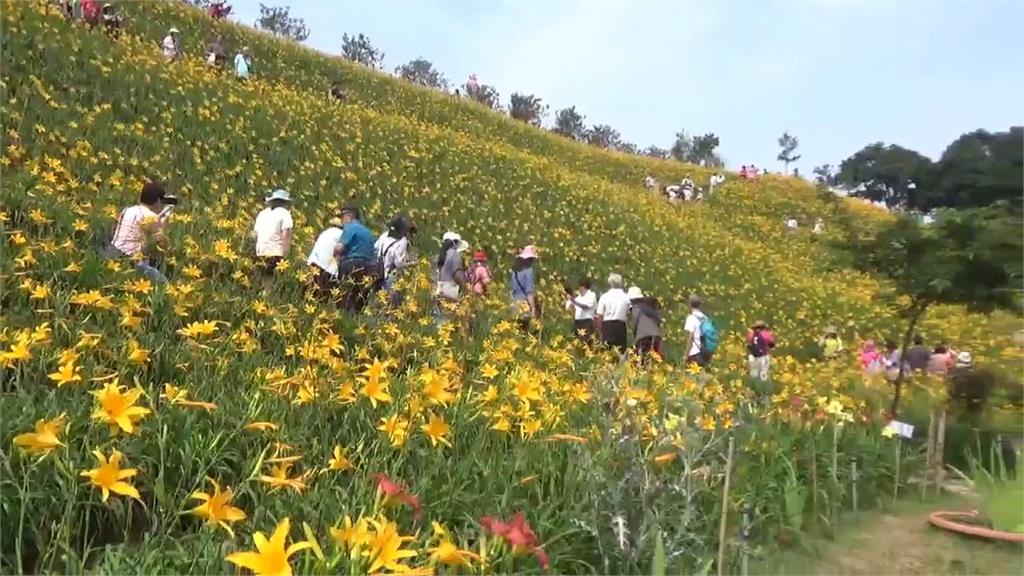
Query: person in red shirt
[91, 12]
[760, 342]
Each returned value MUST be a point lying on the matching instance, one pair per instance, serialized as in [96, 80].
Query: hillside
[532, 425]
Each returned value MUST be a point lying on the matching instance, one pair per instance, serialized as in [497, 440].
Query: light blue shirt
[522, 284]
[241, 66]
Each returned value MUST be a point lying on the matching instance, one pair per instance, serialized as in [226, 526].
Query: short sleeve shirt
[522, 284]
[693, 327]
[322, 254]
[270, 226]
[358, 242]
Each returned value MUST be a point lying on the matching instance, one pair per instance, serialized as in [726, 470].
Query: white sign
[901, 428]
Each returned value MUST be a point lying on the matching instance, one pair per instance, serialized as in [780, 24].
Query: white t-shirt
[269, 228]
[613, 305]
[128, 236]
[792, 224]
[391, 253]
[586, 311]
[692, 326]
[170, 47]
[323, 250]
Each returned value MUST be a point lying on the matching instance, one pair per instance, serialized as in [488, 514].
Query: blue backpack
[708, 336]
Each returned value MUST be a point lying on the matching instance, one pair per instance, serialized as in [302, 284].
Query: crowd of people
[685, 190]
[348, 265]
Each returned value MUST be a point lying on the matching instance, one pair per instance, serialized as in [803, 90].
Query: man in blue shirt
[357, 261]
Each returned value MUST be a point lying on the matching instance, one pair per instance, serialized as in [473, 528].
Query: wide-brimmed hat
[174, 31]
[529, 251]
[634, 293]
[279, 194]
[963, 359]
[460, 244]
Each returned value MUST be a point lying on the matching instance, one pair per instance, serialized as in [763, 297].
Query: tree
[277, 21]
[628, 148]
[970, 257]
[569, 123]
[825, 174]
[890, 174]
[698, 150]
[656, 152]
[422, 72]
[978, 169]
[486, 95]
[526, 108]
[604, 136]
[789, 144]
[358, 49]
[702, 150]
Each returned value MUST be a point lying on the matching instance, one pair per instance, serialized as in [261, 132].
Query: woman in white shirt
[273, 232]
[393, 254]
[582, 304]
[322, 261]
[140, 230]
[611, 314]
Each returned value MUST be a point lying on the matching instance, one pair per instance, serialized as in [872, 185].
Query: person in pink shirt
[870, 358]
[479, 273]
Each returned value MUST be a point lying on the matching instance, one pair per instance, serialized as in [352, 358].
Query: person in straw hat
[171, 45]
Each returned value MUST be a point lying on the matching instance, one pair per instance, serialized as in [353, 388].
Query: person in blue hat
[273, 232]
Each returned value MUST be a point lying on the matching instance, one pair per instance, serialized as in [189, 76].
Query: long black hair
[446, 245]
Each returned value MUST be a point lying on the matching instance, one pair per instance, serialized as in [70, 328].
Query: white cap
[460, 244]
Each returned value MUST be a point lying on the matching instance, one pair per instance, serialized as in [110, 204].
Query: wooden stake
[725, 509]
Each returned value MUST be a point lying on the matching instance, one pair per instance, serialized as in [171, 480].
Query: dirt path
[901, 542]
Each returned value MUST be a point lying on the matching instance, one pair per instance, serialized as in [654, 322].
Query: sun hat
[480, 255]
[634, 293]
[963, 359]
[279, 194]
[529, 251]
[460, 244]
[760, 324]
[174, 31]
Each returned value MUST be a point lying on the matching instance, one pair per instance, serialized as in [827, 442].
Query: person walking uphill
[760, 342]
[450, 271]
[645, 318]
[393, 256]
[701, 335]
[583, 304]
[479, 273]
[523, 287]
[612, 313]
[243, 64]
[140, 231]
[273, 233]
[322, 262]
[357, 261]
[171, 45]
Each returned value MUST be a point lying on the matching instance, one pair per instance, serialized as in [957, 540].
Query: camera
[171, 200]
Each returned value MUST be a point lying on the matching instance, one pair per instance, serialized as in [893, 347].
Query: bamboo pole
[725, 509]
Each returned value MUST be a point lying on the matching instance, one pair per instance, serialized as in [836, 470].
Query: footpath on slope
[899, 541]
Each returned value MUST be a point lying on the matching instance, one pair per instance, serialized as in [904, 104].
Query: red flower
[395, 492]
[518, 534]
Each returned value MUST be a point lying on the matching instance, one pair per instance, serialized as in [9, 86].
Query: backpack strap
[383, 258]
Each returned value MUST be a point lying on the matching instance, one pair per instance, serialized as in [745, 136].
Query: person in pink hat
[523, 286]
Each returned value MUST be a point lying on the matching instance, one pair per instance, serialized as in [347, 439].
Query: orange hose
[945, 520]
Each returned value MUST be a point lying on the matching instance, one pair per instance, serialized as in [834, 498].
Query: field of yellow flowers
[210, 424]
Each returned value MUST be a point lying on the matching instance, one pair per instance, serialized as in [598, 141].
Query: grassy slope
[88, 119]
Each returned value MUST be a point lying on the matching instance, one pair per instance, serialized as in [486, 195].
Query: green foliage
[604, 136]
[278, 21]
[487, 95]
[421, 71]
[890, 174]
[788, 143]
[699, 150]
[569, 123]
[358, 49]
[979, 169]
[527, 108]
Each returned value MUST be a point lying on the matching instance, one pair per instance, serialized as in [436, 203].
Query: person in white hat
[645, 319]
[611, 314]
[273, 232]
[171, 45]
[523, 287]
[243, 64]
[450, 271]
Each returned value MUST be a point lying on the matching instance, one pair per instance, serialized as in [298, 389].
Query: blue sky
[838, 75]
